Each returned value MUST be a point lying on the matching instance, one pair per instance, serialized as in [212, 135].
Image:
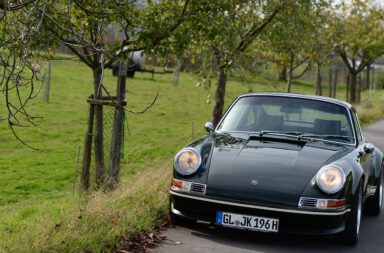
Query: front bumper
[292, 221]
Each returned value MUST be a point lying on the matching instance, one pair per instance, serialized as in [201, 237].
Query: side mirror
[369, 148]
[209, 127]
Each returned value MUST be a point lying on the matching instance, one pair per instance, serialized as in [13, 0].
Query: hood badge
[254, 182]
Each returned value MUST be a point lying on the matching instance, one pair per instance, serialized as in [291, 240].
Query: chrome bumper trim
[259, 207]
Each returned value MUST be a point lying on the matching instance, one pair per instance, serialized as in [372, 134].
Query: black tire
[351, 234]
[374, 203]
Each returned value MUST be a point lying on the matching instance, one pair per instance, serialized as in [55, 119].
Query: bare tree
[20, 63]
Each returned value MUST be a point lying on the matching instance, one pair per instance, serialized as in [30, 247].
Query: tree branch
[303, 72]
[254, 32]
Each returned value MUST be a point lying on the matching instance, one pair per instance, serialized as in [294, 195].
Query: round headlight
[330, 179]
[187, 161]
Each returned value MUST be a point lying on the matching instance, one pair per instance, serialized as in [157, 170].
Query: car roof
[294, 95]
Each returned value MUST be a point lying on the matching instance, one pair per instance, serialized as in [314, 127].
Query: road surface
[201, 238]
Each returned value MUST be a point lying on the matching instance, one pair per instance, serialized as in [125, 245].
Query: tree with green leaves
[360, 30]
[323, 44]
[292, 42]
[83, 25]
[221, 31]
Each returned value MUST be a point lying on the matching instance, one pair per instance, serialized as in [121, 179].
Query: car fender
[378, 161]
[353, 172]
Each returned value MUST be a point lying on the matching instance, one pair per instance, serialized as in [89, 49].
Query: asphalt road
[201, 238]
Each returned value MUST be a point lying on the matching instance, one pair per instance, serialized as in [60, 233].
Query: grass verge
[94, 223]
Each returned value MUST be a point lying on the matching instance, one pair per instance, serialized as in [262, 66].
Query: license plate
[247, 222]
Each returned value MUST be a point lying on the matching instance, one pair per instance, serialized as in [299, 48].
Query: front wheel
[351, 234]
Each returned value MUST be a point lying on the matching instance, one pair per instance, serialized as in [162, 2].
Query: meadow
[40, 212]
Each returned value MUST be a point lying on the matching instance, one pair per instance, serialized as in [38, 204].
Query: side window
[357, 127]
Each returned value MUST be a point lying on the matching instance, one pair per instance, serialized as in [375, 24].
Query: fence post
[118, 128]
[87, 150]
[48, 85]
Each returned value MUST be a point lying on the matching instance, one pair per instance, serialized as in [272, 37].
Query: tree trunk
[319, 90]
[334, 84]
[290, 74]
[352, 87]
[283, 74]
[330, 83]
[219, 96]
[368, 77]
[289, 82]
[118, 128]
[359, 85]
[176, 77]
[99, 125]
[347, 97]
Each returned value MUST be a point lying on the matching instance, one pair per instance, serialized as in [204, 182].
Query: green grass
[39, 212]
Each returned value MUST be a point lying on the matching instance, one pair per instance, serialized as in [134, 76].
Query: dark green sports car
[281, 163]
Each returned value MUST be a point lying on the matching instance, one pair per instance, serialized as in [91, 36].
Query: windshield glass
[268, 113]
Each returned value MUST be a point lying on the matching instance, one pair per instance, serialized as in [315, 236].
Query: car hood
[267, 171]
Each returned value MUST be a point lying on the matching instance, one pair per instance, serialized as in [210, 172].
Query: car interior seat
[327, 127]
[271, 123]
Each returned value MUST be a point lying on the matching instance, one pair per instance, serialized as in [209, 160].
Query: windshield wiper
[327, 136]
[282, 133]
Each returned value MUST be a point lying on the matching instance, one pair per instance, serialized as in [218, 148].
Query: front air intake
[198, 188]
[308, 202]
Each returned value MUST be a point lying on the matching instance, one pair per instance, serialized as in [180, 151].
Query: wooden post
[48, 85]
[118, 128]
[84, 180]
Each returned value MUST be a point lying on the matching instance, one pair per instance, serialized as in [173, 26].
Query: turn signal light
[307, 202]
[336, 203]
[330, 203]
[181, 185]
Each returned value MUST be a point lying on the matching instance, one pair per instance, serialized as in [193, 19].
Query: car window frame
[356, 125]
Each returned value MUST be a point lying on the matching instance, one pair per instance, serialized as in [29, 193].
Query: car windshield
[305, 117]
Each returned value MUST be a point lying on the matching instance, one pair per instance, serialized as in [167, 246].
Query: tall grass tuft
[94, 223]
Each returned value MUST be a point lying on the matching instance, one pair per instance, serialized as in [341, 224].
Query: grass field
[38, 210]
